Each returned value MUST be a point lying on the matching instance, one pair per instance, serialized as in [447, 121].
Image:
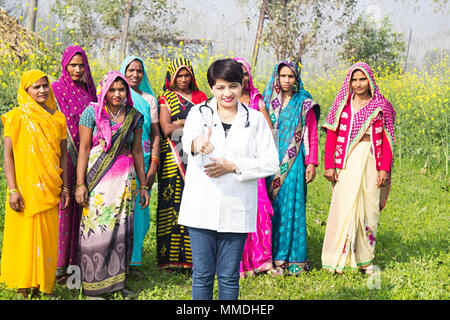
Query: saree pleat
[257, 255]
[106, 233]
[29, 261]
[289, 221]
[352, 224]
[69, 228]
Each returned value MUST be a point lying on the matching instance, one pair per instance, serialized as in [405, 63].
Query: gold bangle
[155, 159]
[12, 191]
[66, 189]
[79, 185]
[144, 187]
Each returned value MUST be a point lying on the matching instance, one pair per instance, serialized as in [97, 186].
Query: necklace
[114, 116]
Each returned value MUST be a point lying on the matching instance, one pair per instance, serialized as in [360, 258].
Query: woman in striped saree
[181, 93]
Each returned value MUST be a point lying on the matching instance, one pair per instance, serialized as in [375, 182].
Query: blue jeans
[213, 252]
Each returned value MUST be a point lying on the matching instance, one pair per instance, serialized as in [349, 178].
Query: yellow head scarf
[36, 135]
[24, 99]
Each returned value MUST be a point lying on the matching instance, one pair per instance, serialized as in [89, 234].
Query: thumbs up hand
[202, 145]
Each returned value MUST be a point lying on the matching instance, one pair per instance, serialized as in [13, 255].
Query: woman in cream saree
[358, 161]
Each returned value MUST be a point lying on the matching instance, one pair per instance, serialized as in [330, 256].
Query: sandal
[23, 292]
[275, 272]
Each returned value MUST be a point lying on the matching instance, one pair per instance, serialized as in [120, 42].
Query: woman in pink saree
[257, 256]
[109, 162]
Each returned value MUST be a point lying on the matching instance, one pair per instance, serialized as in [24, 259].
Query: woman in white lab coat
[229, 147]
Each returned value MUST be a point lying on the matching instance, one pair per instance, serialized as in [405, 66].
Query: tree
[262, 16]
[102, 23]
[32, 14]
[295, 26]
[123, 44]
[438, 5]
[373, 42]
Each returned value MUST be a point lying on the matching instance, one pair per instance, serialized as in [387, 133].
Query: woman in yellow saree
[35, 162]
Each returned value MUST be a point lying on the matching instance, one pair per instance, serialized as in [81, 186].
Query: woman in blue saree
[133, 68]
[289, 106]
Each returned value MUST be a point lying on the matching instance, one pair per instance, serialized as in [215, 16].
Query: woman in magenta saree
[257, 256]
[74, 91]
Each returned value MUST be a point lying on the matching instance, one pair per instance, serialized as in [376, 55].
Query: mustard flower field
[420, 97]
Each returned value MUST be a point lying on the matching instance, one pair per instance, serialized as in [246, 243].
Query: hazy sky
[225, 22]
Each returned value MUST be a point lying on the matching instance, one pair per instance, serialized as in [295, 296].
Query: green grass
[412, 251]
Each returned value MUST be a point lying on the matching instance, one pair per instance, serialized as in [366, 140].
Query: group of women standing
[232, 174]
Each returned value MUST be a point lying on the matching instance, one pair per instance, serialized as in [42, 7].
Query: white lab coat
[227, 203]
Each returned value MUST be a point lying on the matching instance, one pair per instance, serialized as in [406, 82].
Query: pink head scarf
[378, 101]
[250, 88]
[104, 128]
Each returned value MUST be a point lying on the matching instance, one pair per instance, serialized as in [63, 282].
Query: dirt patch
[14, 38]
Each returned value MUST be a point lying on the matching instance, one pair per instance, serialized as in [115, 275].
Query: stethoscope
[205, 105]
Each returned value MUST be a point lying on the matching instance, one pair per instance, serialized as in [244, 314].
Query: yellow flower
[85, 211]
[98, 199]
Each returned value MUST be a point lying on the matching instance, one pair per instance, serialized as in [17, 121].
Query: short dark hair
[227, 69]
